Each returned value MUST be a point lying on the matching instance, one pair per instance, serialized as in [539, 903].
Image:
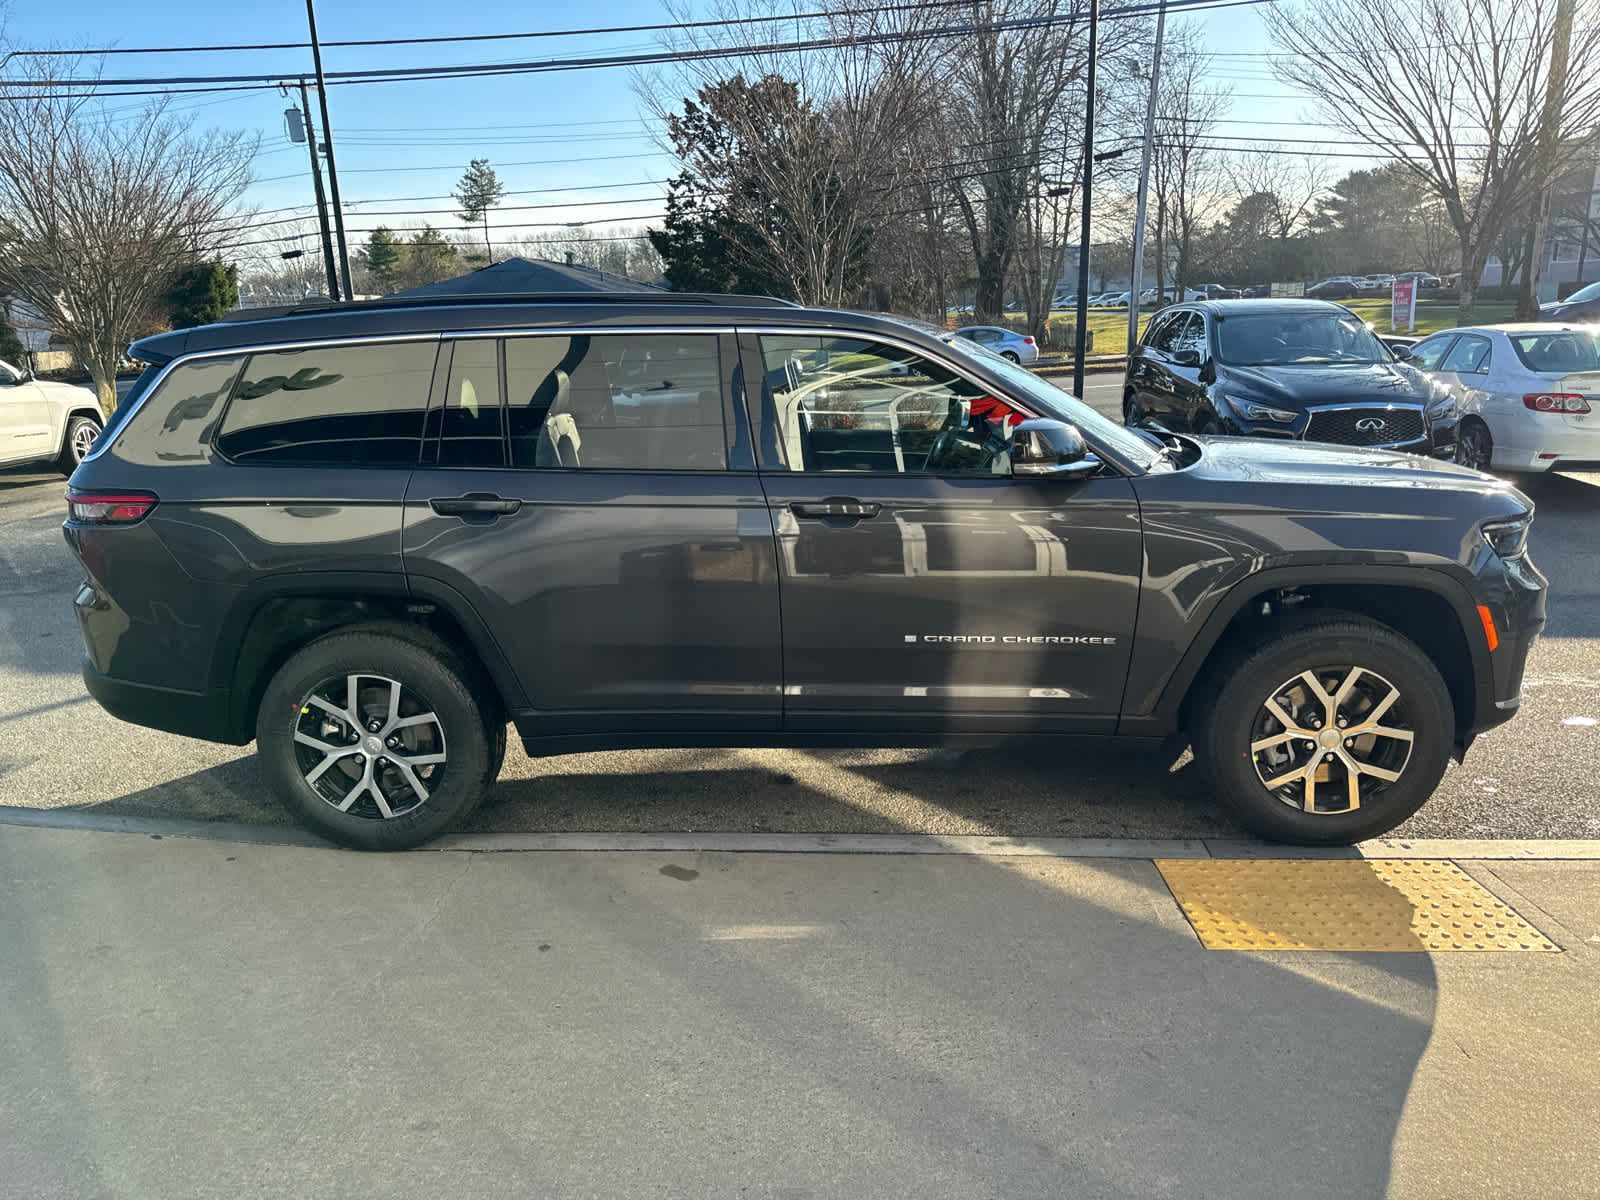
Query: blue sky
[566, 130]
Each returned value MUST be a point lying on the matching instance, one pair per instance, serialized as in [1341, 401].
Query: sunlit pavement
[188, 1017]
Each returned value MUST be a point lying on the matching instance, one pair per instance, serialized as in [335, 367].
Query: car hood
[67, 393]
[1308, 387]
[1283, 463]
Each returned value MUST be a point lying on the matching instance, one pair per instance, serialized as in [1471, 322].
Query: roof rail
[531, 298]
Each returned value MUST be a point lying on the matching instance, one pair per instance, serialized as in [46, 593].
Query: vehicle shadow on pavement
[778, 1025]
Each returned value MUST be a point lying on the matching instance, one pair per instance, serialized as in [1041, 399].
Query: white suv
[45, 422]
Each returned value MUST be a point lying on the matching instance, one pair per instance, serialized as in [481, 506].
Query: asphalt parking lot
[1538, 777]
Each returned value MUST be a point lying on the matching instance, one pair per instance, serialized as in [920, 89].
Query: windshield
[1592, 292]
[1558, 353]
[1051, 401]
[1289, 339]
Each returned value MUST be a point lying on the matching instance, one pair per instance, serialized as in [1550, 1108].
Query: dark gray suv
[368, 536]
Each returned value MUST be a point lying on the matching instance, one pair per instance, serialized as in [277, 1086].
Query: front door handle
[835, 508]
[475, 507]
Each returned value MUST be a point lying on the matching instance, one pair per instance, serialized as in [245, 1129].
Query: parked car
[1018, 347]
[1400, 345]
[1343, 288]
[45, 422]
[368, 535]
[1582, 305]
[1303, 369]
[1424, 279]
[1529, 394]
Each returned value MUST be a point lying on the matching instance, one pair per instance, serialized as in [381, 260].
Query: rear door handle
[835, 508]
[481, 506]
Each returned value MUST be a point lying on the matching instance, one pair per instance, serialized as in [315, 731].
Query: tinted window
[1558, 353]
[176, 421]
[471, 434]
[1427, 355]
[1470, 356]
[362, 405]
[1170, 336]
[844, 404]
[642, 402]
[1192, 335]
[1161, 328]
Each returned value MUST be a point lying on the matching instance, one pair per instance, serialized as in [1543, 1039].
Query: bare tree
[1290, 184]
[1457, 91]
[97, 215]
[1186, 174]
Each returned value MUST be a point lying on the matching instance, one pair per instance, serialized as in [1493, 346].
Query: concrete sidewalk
[207, 1018]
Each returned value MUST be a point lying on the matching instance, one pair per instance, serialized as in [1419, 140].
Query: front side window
[847, 404]
[1426, 356]
[1192, 336]
[361, 405]
[1172, 335]
[176, 421]
[1469, 356]
[631, 402]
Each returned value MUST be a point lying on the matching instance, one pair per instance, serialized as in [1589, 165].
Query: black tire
[1229, 714]
[432, 683]
[75, 445]
[1474, 445]
[1132, 414]
[1012, 356]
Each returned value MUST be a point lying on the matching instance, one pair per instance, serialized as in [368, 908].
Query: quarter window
[843, 404]
[177, 419]
[361, 405]
[631, 402]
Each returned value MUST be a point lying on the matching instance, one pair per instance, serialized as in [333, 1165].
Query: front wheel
[1331, 733]
[1132, 413]
[1474, 445]
[81, 433]
[375, 741]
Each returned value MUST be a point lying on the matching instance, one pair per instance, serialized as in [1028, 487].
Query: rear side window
[621, 402]
[176, 421]
[358, 405]
[471, 434]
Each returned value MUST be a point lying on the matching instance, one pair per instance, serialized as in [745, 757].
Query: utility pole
[1081, 348]
[310, 131]
[1549, 144]
[1136, 275]
[327, 145]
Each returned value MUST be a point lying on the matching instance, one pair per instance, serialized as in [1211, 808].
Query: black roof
[1222, 309]
[431, 315]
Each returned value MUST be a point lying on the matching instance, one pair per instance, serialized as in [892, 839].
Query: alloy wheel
[369, 746]
[83, 440]
[1330, 739]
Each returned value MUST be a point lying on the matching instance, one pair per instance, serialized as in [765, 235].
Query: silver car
[45, 422]
[1529, 394]
[1018, 347]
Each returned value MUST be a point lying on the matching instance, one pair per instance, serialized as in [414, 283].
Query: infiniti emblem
[1369, 424]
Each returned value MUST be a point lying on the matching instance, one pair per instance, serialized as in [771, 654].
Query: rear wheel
[1011, 355]
[375, 741]
[1330, 733]
[81, 433]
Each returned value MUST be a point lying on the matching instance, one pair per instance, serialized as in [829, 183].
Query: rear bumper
[201, 715]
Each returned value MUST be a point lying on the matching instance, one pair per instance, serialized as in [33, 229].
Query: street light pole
[1137, 273]
[327, 145]
[1081, 340]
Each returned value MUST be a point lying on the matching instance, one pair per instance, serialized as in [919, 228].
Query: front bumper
[1515, 594]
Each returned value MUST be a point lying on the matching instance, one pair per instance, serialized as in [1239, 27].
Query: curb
[970, 845]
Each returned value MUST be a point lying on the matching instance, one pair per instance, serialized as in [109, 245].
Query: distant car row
[1522, 398]
[1343, 287]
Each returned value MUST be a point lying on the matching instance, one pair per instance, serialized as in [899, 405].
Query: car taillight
[1028, 340]
[1555, 402]
[109, 508]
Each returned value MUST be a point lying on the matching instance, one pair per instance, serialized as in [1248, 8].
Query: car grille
[1365, 426]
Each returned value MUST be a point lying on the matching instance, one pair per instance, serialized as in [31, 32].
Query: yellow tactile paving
[1343, 904]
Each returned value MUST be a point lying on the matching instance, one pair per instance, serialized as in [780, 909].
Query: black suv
[368, 536]
[1292, 369]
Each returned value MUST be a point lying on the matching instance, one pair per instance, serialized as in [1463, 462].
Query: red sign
[1403, 305]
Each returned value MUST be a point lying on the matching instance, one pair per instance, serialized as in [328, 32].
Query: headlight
[1444, 406]
[1251, 411]
[1508, 538]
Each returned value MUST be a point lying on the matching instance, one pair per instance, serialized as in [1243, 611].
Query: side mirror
[1403, 353]
[1042, 448]
[1186, 358]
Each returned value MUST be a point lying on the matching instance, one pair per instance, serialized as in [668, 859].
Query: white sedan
[1529, 394]
[1018, 347]
[45, 422]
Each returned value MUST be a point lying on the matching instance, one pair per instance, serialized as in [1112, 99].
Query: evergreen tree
[478, 192]
[203, 293]
[429, 258]
[383, 255]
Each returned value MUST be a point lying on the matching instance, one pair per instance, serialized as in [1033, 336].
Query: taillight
[1028, 340]
[109, 508]
[1555, 402]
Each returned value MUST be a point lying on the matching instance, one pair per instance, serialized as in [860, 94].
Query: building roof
[521, 276]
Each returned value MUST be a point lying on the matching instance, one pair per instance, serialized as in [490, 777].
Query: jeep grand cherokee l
[368, 536]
